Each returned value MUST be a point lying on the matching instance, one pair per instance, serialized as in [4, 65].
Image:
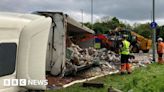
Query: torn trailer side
[37, 44]
[64, 32]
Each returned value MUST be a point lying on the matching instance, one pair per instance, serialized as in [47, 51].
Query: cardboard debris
[105, 61]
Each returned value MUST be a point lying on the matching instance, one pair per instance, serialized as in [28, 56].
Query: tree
[161, 31]
[100, 28]
[144, 30]
[88, 24]
[110, 23]
[106, 24]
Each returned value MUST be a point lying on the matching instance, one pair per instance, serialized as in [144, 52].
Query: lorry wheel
[145, 51]
[135, 49]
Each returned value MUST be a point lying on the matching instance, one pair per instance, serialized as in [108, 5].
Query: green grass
[149, 79]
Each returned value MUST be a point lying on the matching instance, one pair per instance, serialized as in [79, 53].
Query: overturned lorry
[34, 45]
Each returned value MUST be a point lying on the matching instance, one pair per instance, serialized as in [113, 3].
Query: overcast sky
[127, 10]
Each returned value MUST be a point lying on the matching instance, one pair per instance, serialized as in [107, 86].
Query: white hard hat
[124, 36]
[160, 39]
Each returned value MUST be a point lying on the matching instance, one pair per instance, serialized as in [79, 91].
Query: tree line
[106, 24]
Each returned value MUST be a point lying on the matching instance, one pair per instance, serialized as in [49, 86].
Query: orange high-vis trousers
[160, 60]
[125, 67]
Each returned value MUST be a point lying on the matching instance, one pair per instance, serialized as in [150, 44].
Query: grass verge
[145, 79]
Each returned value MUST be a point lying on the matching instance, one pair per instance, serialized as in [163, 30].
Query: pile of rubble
[106, 60]
[103, 61]
[77, 56]
[82, 56]
[141, 60]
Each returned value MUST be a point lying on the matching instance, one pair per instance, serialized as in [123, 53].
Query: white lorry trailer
[31, 45]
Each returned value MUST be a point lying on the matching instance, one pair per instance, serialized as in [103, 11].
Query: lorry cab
[22, 54]
[33, 44]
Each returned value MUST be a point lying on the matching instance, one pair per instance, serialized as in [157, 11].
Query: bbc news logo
[24, 82]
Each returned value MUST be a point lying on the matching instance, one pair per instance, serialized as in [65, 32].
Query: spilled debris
[106, 60]
[97, 63]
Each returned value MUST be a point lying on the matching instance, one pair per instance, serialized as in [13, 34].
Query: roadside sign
[153, 25]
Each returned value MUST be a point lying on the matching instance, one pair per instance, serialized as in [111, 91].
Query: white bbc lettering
[22, 82]
[14, 82]
[45, 82]
[6, 82]
[37, 82]
[42, 82]
[30, 82]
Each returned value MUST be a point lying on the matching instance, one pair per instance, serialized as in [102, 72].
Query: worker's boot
[123, 68]
[128, 68]
[160, 61]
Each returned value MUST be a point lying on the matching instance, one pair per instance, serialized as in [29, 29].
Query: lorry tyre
[135, 49]
[145, 51]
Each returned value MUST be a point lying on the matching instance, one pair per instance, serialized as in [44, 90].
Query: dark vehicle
[137, 41]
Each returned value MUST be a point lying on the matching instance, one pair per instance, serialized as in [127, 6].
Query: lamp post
[82, 12]
[154, 34]
[92, 14]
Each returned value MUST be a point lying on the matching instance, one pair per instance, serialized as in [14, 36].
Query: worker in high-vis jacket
[160, 50]
[124, 51]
